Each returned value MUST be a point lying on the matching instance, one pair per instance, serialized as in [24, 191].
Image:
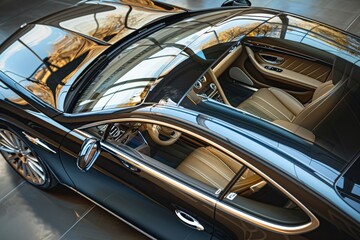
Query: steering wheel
[155, 130]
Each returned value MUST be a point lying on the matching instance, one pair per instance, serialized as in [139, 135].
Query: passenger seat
[275, 104]
[216, 169]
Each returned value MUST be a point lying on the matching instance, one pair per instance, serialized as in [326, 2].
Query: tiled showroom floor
[28, 213]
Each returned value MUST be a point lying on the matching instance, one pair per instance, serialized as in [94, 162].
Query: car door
[128, 183]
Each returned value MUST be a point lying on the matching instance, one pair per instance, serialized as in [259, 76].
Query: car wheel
[25, 161]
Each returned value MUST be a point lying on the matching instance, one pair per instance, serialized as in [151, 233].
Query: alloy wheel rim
[21, 158]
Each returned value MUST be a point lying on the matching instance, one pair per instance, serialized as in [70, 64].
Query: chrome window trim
[265, 224]
[313, 224]
[152, 171]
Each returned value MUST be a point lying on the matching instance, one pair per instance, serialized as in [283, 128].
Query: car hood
[48, 55]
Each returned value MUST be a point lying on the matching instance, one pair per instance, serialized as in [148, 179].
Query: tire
[23, 159]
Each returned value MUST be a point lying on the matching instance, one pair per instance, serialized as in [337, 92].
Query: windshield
[181, 52]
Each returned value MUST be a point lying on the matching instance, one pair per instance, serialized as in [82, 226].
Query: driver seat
[216, 169]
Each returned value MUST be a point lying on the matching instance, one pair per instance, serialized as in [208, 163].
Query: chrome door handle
[37, 141]
[188, 220]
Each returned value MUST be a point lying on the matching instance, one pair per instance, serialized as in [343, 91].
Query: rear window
[348, 186]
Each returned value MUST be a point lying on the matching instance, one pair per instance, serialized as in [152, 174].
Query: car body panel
[132, 195]
[20, 116]
[304, 171]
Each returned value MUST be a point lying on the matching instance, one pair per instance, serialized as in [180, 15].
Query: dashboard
[206, 88]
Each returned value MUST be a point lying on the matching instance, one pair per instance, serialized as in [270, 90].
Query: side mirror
[90, 151]
[237, 3]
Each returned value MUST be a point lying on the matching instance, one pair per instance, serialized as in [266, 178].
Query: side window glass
[256, 196]
[97, 131]
[178, 154]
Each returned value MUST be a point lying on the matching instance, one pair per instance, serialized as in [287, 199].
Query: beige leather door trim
[306, 67]
[286, 75]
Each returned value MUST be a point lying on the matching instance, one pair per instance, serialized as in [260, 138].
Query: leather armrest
[292, 77]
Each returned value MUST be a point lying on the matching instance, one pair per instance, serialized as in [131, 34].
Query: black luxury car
[226, 123]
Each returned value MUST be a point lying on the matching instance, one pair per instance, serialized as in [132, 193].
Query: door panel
[154, 180]
[315, 70]
[121, 181]
[282, 75]
[291, 66]
[156, 213]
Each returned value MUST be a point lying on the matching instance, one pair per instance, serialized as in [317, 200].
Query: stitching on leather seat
[200, 156]
[212, 150]
[273, 107]
[209, 151]
[287, 95]
[202, 175]
[250, 100]
[279, 92]
[214, 168]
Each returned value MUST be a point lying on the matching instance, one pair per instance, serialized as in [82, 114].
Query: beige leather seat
[216, 169]
[272, 104]
[275, 104]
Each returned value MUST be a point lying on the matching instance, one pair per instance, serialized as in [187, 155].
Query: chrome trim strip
[314, 222]
[112, 213]
[265, 224]
[38, 142]
[191, 191]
